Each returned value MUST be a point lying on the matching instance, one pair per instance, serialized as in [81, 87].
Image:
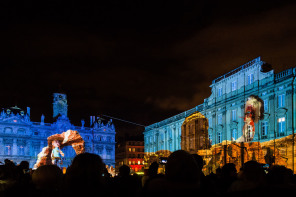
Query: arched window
[7, 130]
[21, 131]
[234, 134]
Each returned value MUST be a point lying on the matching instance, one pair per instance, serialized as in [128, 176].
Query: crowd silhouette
[87, 176]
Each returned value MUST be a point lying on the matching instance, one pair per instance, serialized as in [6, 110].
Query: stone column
[156, 140]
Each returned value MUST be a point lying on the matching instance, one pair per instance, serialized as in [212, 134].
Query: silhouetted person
[252, 179]
[279, 180]
[10, 176]
[182, 176]
[125, 184]
[84, 176]
[47, 180]
[228, 176]
[152, 172]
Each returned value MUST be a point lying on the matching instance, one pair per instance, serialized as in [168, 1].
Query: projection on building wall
[254, 112]
[250, 146]
[68, 138]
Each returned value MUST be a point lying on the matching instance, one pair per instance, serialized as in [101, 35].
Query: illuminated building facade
[194, 133]
[130, 153]
[22, 139]
[225, 108]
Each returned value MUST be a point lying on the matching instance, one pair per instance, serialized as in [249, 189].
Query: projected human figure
[56, 154]
[254, 112]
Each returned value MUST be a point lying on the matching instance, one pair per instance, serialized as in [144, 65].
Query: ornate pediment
[281, 112]
[15, 119]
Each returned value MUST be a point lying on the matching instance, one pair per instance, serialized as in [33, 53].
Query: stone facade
[22, 139]
[194, 133]
[224, 108]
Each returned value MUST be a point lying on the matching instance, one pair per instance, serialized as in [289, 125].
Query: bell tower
[60, 106]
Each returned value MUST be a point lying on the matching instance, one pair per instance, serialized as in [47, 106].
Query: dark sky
[139, 60]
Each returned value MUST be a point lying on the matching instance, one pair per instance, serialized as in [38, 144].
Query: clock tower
[60, 106]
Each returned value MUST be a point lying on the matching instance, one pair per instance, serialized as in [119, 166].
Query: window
[233, 85]
[7, 150]
[220, 92]
[233, 115]
[265, 102]
[281, 125]
[264, 129]
[220, 119]
[281, 100]
[249, 130]
[219, 136]
[21, 150]
[234, 134]
[7, 130]
[250, 78]
[129, 162]
[210, 139]
[139, 162]
[210, 122]
[129, 149]
[134, 150]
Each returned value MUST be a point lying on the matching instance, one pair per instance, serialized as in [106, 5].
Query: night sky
[138, 60]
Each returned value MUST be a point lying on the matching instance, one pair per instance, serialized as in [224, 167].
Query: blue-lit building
[224, 108]
[21, 139]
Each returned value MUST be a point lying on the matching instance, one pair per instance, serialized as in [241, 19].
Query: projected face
[56, 143]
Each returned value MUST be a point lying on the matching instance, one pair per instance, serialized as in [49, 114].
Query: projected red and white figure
[254, 111]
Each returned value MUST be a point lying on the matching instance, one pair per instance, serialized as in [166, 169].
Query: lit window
[233, 85]
[219, 136]
[282, 124]
[7, 150]
[129, 162]
[134, 149]
[129, 149]
[264, 128]
[21, 150]
[265, 105]
[233, 115]
[139, 162]
[250, 78]
[210, 122]
[220, 119]
[220, 92]
[281, 100]
[234, 134]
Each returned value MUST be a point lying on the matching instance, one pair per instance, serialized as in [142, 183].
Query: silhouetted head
[253, 171]
[124, 171]
[182, 167]
[199, 160]
[229, 170]
[24, 165]
[47, 177]
[84, 173]
[153, 168]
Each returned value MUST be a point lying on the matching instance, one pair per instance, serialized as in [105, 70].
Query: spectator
[47, 180]
[251, 180]
[181, 176]
[125, 184]
[84, 176]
